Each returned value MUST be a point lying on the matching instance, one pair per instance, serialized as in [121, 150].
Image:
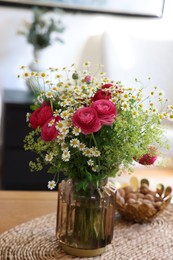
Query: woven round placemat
[35, 240]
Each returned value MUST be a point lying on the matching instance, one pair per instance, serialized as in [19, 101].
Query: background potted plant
[43, 31]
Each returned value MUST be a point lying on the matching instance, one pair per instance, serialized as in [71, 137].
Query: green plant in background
[44, 28]
[91, 128]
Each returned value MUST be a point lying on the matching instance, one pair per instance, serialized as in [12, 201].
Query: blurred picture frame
[150, 8]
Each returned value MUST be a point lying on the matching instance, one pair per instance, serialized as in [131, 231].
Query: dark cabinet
[16, 174]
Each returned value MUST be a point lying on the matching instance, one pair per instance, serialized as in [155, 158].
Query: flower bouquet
[91, 128]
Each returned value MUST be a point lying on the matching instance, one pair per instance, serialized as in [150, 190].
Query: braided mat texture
[35, 240]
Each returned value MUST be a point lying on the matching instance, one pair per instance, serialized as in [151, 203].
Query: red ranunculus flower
[108, 85]
[87, 120]
[48, 131]
[106, 111]
[101, 94]
[40, 116]
[149, 158]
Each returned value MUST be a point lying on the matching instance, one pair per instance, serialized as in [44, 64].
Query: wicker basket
[142, 205]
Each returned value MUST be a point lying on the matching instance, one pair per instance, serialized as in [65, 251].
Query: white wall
[128, 46]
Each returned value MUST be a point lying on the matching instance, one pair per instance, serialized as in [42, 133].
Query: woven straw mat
[35, 240]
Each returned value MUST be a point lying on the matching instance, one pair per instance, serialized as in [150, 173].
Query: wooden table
[17, 207]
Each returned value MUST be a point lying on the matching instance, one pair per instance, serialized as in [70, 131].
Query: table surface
[17, 207]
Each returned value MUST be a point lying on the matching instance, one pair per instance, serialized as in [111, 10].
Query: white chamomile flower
[170, 107]
[154, 110]
[95, 152]
[54, 88]
[161, 93]
[74, 142]
[76, 131]
[26, 74]
[43, 75]
[64, 114]
[152, 93]
[86, 64]
[51, 122]
[59, 125]
[56, 112]
[125, 96]
[87, 152]
[49, 94]
[90, 162]
[40, 99]
[64, 131]
[114, 100]
[161, 116]
[125, 106]
[28, 117]
[64, 146]
[82, 146]
[134, 113]
[170, 117]
[95, 168]
[49, 157]
[51, 185]
[66, 156]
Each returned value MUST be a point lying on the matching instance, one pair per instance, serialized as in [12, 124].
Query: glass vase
[85, 222]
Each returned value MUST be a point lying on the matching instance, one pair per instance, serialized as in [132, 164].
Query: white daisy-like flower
[114, 100]
[95, 168]
[86, 64]
[87, 152]
[40, 99]
[134, 113]
[152, 93]
[51, 122]
[64, 146]
[60, 138]
[154, 110]
[95, 152]
[170, 107]
[57, 112]
[59, 125]
[64, 114]
[74, 142]
[66, 155]
[54, 88]
[125, 96]
[58, 76]
[161, 93]
[28, 117]
[51, 185]
[43, 75]
[125, 106]
[170, 117]
[82, 146]
[49, 94]
[90, 162]
[76, 131]
[64, 131]
[162, 116]
[26, 74]
[49, 157]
